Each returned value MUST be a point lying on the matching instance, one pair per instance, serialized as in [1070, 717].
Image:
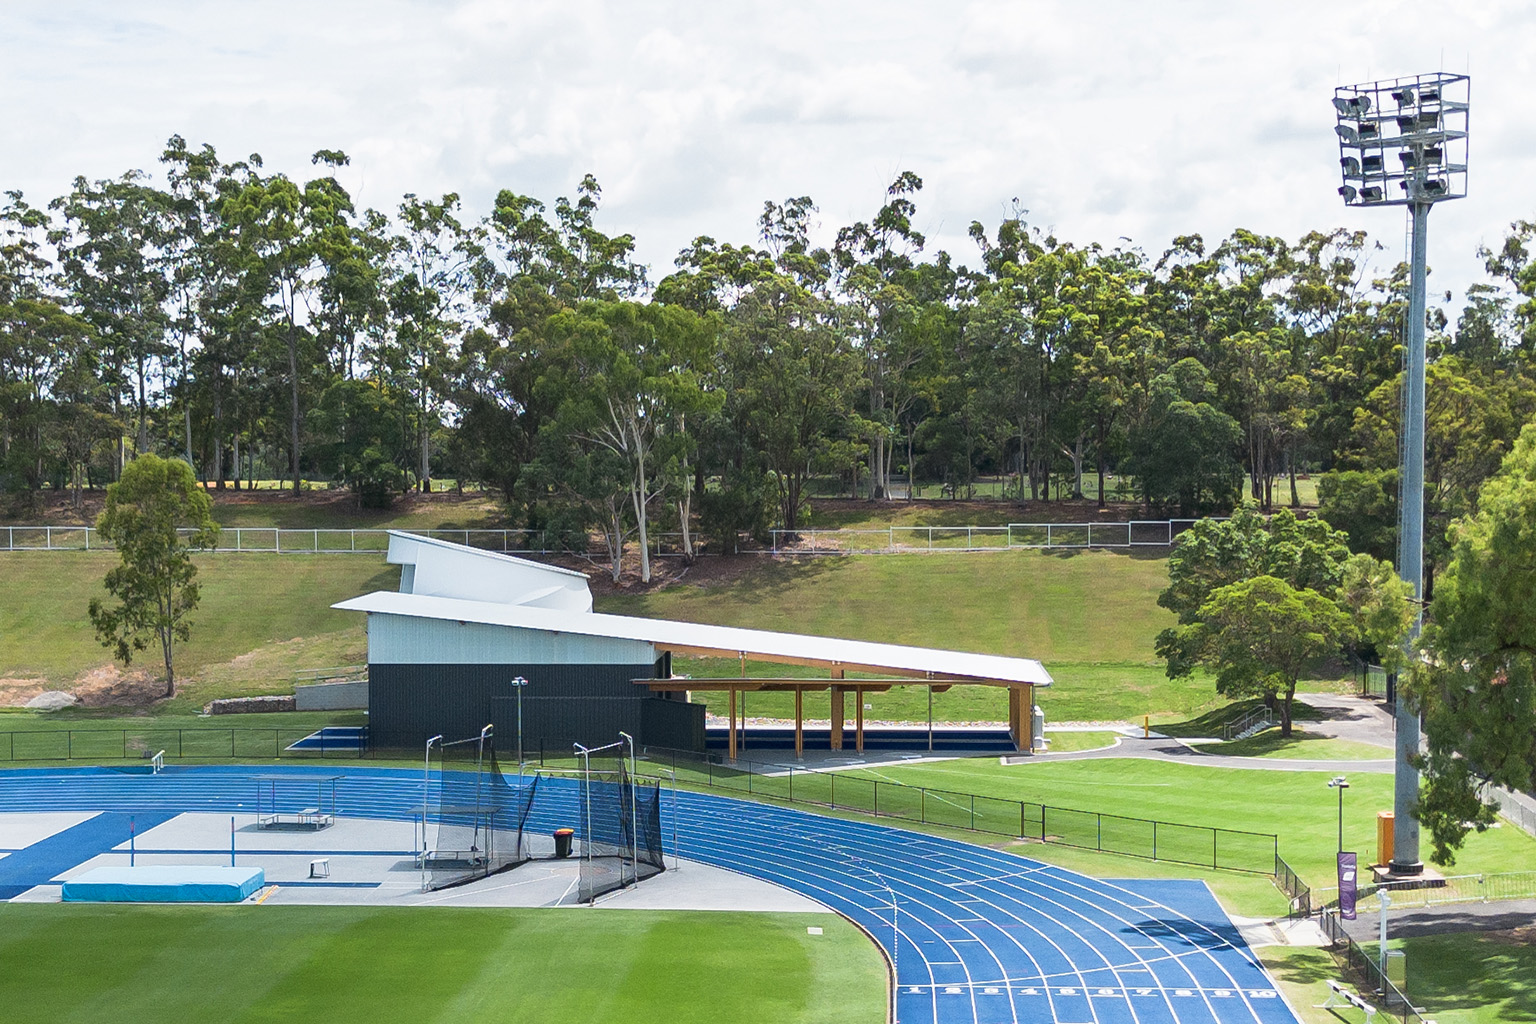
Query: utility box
[1386, 825]
[1036, 728]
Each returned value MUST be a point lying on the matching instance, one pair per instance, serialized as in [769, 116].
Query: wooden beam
[731, 743]
[915, 675]
[768, 684]
[799, 724]
[836, 732]
[858, 719]
[1013, 718]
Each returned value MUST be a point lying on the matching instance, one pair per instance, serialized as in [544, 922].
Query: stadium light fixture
[1404, 142]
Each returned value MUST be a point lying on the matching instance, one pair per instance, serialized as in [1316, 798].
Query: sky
[1104, 119]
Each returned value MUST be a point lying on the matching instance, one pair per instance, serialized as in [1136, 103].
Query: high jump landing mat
[171, 883]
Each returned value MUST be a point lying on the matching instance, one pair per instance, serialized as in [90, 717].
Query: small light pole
[518, 682]
[1386, 901]
[1340, 783]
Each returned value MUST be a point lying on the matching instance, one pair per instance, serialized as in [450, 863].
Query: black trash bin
[563, 841]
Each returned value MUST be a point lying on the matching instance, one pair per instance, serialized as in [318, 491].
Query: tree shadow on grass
[1212, 722]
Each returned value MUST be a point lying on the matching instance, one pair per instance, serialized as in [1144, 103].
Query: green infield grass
[251, 965]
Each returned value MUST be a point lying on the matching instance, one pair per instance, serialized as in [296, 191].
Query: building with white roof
[444, 649]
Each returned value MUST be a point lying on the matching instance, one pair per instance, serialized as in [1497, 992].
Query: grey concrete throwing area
[367, 862]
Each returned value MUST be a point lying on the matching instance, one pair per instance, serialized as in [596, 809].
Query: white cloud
[1105, 119]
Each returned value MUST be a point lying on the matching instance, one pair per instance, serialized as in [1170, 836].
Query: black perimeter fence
[206, 743]
[1200, 845]
[1365, 972]
[479, 815]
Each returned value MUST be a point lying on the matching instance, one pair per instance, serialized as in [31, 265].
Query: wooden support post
[858, 719]
[731, 743]
[1013, 718]
[837, 712]
[1027, 715]
[799, 723]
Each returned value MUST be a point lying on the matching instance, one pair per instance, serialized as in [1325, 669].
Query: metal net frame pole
[634, 811]
[479, 783]
[426, 799]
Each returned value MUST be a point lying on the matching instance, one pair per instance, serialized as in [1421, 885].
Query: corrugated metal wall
[410, 640]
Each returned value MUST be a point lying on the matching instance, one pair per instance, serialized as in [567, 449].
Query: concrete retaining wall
[332, 696]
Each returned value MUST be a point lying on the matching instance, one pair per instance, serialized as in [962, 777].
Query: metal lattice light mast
[1403, 142]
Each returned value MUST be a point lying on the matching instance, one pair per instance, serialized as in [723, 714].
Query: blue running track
[978, 936]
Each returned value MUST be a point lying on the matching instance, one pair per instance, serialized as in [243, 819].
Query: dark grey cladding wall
[562, 704]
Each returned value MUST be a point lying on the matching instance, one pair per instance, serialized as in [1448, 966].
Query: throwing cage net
[621, 825]
[474, 816]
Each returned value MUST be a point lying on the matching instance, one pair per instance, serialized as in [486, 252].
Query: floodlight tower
[1403, 142]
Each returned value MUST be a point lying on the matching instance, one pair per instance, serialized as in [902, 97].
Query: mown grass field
[251, 965]
[1090, 616]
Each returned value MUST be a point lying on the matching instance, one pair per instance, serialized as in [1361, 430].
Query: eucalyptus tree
[628, 375]
[876, 266]
[279, 227]
[108, 248]
[431, 283]
[190, 222]
[1032, 306]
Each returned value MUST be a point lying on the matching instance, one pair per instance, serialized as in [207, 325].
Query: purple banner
[1347, 883]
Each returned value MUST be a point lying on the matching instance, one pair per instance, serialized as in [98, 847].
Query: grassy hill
[262, 617]
[1090, 616]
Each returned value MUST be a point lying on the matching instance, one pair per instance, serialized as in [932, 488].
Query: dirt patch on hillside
[15, 692]
[104, 687]
[109, 687]
[706, 571]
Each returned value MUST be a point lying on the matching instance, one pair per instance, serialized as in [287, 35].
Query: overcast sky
[1135, 118]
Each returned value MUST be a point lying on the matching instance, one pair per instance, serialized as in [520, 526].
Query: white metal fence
[891, 539]
[1484, 888]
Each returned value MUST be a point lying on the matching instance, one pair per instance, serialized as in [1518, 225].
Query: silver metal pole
[930, 717]
[518, 683]
[634, 810]
[1410, 548]
[586, 830]
[426, 788]
[1381, 945]
[480, 774]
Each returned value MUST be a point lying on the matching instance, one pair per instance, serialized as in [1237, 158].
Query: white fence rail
[1485, 888]
[889, 540]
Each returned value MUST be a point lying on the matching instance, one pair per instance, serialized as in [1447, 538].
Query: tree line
[255, 324]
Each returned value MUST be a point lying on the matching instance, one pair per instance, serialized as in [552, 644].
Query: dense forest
[258, 325]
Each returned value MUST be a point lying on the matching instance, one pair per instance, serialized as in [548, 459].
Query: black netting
[621, 829]
[478, 814]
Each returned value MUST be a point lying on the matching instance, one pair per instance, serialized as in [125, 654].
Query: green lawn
[1297, 806]
[1471, 978]
[250, 965]
[280, 603]
[1301, 745]
[1090, 616]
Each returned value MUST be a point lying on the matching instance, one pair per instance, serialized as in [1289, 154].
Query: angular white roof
[440, 568]
[727, 641]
